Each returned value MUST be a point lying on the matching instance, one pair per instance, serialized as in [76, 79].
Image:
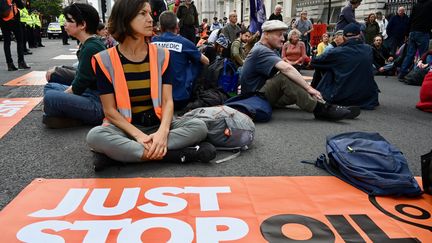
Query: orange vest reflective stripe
[13, 11]
[110, 64]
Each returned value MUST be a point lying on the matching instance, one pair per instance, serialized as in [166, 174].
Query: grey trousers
[113, 142]
[280, 91]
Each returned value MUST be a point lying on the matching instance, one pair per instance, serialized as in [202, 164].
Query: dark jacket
[421, 16]
[380, 55]
[187, 16]
[371, 30]
[398, 27]
[348, 75]
[346, 17]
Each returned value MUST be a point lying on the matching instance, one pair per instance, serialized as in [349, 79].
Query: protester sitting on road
[323, 44]
[348, 73]
[382, 59]
[372, 29]
[107, 39]
[184, 56]
[294, 50]
[78, 103]
[137, 97]
[260, 74]
[237, 47]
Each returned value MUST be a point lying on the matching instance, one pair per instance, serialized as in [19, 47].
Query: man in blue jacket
[184, 55]
[348, 78]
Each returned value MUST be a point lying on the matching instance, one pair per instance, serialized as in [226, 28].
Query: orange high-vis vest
[13, 11]
[110, 64]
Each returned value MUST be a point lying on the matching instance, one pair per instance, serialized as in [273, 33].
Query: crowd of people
[146, 64]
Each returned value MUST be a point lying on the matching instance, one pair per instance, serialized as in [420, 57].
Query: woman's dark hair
[100, 26]
[81, 13]
[122, 14]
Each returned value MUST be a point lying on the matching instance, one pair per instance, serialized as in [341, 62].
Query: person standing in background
[276, 15]
[347, 14]
[10, 23]
[188, 15]
[62, 21]
[304, 25]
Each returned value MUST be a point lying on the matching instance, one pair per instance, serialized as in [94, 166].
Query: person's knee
[199, 127]
[96, 137]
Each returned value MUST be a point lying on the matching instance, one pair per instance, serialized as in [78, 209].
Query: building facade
[324, 10]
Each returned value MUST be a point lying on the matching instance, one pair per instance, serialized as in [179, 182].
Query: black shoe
[40, 45]
[11, 67]
[355, 112]
[66, 44]
[60, 122]
[203, 152]
[330, 112]
[23, 65]
[101, 161]
[28, 52]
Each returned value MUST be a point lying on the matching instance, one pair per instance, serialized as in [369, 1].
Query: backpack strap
[235, 150]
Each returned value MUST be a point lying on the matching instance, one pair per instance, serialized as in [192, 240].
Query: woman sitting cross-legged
[294, 50]
[137, 98]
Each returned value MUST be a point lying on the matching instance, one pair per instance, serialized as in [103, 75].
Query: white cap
[272, 25]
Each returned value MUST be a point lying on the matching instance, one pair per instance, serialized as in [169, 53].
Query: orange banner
[315, 35]
[210, 210]
[12, 110]
[31, 78]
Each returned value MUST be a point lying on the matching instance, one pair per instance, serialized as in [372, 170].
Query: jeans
[416, 41]
[86, 107]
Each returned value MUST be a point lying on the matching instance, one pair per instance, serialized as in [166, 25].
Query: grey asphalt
[32, 151]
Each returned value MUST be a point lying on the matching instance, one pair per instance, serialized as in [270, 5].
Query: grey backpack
[228, 129]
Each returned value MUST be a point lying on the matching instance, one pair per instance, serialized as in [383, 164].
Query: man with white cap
[264, 72]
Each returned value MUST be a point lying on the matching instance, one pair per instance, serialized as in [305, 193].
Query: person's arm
[289, 71]
[235, 53]
[303, 53]
[284, 47]
[159, 139]
[113, 116]
[204, 60]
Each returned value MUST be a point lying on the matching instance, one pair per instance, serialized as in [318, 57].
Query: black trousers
[65, 36]
[37, 36]
[30, 36]
[9, 27]
[24, 36]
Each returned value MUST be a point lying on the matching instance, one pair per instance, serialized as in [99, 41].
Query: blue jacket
[398, 27]
[186, 60]
[348, 75]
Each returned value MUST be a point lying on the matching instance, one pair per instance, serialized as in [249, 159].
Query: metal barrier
[393, 5]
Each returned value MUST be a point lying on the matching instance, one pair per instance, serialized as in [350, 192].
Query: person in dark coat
[397, 30]
[347, 14]
[372, 29]
[348, 78]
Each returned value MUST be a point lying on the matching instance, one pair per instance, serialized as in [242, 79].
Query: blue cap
[351, 29]
[223, 41]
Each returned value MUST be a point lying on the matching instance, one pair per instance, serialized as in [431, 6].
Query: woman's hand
[159, 145]
[144, 139]
[49, 73]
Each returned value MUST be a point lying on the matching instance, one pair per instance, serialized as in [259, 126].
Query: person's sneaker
[330, 112]
[355, 112]
[60, 122]
[23, 65]
[203, 152]
[101, 161]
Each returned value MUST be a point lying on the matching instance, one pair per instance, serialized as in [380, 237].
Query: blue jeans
[416, 41]
[86, 107]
